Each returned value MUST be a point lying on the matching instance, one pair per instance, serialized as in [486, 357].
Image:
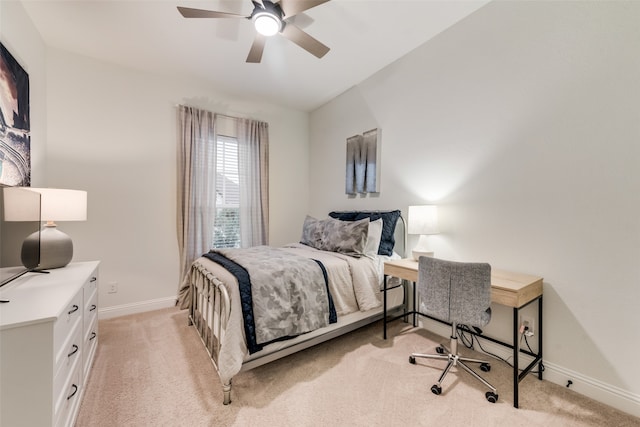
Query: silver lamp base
[56, 248]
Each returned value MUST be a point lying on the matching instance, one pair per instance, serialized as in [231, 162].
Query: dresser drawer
[68, 397]
[66, 359]
[69, 317]
[90, 345]
[90, 308]
[92, 283]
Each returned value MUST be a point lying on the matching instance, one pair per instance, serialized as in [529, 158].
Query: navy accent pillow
[389, 220]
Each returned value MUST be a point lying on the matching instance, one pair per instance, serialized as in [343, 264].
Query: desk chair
[457, 293]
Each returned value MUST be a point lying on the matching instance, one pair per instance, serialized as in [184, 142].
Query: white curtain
[253, 169]
[196, 189]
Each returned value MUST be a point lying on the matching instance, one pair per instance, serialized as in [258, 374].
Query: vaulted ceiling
[150, 35]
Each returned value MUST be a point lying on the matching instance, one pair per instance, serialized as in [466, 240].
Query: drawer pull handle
[93, 307]
[73, 393]
[74, 351]
[93, 279]
[93, 335]
[74, 308]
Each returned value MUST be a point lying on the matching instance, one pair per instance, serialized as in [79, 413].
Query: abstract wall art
[363, 163]
[15, 135]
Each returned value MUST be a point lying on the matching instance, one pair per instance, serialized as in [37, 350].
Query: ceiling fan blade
[293, 7]
[304, 40]
[301, 20]
[255, 53]
[188, 12]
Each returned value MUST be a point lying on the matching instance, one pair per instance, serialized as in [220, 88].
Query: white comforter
[354, 284]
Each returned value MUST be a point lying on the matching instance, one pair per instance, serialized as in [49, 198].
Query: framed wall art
[363, 163]
[15, 127]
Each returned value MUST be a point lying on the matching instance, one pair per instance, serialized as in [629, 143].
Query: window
[226, 227]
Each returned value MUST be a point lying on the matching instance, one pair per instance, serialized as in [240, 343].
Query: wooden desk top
[507, 288]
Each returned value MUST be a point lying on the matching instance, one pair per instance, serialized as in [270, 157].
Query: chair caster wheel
[412, 360]
[436, 389]
[485, 367]
[491, 396]
[440, 350]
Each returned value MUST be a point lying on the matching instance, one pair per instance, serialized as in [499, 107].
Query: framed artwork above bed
[363, 163]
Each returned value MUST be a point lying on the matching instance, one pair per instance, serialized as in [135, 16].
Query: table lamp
[423, 220]
[56, 247]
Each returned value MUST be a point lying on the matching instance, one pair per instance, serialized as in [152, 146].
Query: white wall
[522, 123]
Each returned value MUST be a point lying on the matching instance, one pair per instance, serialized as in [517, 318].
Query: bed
[347, 248]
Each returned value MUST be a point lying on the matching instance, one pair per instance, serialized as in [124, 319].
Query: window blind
[226, 227]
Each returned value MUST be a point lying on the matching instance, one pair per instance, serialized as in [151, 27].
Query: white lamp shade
[20, 204]
[423, 220]
[62, 205]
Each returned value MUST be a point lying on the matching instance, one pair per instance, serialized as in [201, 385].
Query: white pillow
[373, 238]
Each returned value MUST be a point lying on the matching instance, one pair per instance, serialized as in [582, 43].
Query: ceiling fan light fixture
[267, 23]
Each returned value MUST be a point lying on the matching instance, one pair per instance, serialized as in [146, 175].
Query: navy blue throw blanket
[246, 299]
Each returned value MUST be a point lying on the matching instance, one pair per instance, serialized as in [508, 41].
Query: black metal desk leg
[540, 366]
[405, 298]
[413, 284]
[516, 351]
[384, 313]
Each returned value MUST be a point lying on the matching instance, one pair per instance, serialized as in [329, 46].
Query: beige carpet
[152, 370]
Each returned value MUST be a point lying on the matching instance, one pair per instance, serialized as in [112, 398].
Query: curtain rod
[223, 115]
[213, 112]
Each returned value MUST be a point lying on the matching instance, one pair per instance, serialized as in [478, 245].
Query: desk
[513, 290]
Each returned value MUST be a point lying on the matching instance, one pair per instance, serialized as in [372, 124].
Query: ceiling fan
[270, 18]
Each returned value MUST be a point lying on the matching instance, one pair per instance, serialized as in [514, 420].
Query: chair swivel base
[456, 360]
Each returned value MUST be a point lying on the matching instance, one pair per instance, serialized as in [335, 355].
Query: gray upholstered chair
[458, 293]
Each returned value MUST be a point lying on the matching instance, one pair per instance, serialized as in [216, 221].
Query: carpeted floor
[152, 370]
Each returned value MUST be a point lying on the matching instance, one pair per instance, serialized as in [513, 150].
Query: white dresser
[48, 339]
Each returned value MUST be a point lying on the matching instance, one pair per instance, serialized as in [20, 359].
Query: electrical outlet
[113, 287]
[529, 325]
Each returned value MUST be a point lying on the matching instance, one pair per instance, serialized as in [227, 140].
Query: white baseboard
[136, 307]
[616, 397]
[595, 389]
